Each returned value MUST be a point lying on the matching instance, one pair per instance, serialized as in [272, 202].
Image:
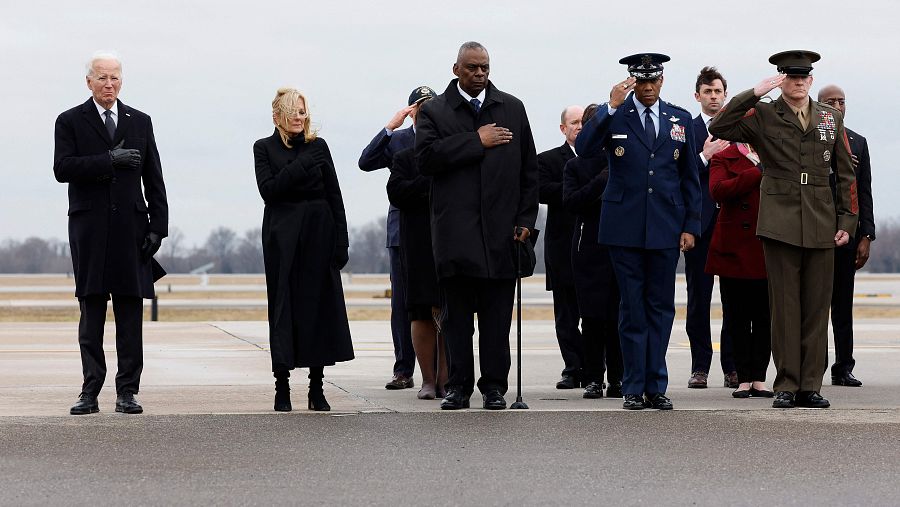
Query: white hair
[101, 55]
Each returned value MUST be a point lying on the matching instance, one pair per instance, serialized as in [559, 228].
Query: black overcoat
[478, 195]
[108, 215]
[303, 223]
[408, 191]
[560, 222]
[584, 180]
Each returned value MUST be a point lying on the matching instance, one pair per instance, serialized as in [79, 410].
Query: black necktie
[110, 124]
[477, 104]
[648, 127]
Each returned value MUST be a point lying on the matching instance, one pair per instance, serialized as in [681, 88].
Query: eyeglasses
[834, 102]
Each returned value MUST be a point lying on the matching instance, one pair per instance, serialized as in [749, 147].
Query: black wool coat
[408, 191]
[584, 180]
[560, 222]
[303, 223]
[478, 195]
[108, 214]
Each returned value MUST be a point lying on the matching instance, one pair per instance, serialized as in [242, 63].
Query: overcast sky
[206, 72]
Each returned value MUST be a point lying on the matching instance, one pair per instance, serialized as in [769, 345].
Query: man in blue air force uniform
[651, 209]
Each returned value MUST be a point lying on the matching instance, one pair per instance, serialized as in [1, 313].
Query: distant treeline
[233, 253]
[228, 251]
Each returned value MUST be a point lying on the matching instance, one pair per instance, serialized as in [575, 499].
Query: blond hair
[284, 102]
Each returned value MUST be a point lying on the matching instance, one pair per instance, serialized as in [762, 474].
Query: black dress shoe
[567, 382]
[86, 404]
[634, 402]
[783, 399]
[761, 393]
[811, 399]
[659, 401]
[614, 390]
[847, 380]
[741, 394]
[126, 404]
[455, 400]
[493, 400]
[593, 391]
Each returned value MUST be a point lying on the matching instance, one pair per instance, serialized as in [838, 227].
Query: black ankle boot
[317, 399]
[282, 391]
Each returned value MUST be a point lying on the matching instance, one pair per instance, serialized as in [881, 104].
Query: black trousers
[699, 293]
[842, 309]
[565, 313]
[492, 300]
[602, 351]
[128, 312]
[746, 303]
[401, 332]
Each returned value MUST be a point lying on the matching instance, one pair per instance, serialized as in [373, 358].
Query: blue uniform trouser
[646, 312]
[404, 354]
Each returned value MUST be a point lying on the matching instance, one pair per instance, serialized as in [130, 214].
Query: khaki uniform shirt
[796, 204]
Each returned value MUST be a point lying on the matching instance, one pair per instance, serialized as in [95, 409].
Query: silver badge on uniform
[676, 154]
[620, 151]
[827, 155]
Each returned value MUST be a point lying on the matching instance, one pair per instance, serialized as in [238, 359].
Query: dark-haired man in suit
[105, 151]
[710, 91]
[853, 255]
[558, 248]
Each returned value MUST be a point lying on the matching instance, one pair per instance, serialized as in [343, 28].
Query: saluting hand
[687, 241]
[620, 91]
[399, 117]
[491, 135]
[711, 147]
[769, 84]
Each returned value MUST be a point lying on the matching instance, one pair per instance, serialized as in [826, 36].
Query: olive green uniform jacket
[796, 204]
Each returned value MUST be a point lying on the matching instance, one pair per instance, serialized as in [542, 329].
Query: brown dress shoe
[399, 382]
[731, 380]
[698, 380]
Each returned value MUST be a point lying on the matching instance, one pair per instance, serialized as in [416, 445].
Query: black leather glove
[340, 257]
[152, 242]
[124, 158]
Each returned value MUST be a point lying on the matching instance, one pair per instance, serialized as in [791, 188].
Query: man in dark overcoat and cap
[476, 143]
[104, 151]
[651, 210]
[800, 142]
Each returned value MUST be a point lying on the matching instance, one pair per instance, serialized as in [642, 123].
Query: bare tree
[368, 250]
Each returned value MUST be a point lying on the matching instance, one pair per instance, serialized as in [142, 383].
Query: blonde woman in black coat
[305, 245]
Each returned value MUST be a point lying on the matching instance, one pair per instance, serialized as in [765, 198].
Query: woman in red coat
[736, 255]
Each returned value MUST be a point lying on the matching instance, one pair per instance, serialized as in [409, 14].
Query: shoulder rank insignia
[678, 107]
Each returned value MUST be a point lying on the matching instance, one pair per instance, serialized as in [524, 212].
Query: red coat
[735, 251]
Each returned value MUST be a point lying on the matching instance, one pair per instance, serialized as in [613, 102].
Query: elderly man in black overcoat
[476, 143]
[104, 150]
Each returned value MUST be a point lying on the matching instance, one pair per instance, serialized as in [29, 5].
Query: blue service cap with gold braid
[645, 66]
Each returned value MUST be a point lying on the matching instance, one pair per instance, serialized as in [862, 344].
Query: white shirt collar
[468, 97]
[705, 117]
[114, 109]
[572, 147]
[640, 107]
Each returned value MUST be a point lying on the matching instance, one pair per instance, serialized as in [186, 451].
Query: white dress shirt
[114, 109]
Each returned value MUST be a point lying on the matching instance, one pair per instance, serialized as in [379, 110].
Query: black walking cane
[519, 404]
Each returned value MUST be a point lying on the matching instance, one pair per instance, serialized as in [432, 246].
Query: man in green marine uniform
[800, 142]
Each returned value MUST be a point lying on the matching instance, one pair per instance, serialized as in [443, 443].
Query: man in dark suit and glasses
[475, 142]
[853, 255]
[710, 91]
[104, 151]
[558, 248]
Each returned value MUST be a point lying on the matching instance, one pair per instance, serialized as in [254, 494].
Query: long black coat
[108, 216]
[478, 195]
[584, 180]
[560, 222]
[303, 224]
[408, 191]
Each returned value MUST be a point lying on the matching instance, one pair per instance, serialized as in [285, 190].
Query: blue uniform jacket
[653, 193]
[379, 154]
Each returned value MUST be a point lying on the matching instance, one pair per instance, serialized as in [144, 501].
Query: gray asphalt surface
[797, 457]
